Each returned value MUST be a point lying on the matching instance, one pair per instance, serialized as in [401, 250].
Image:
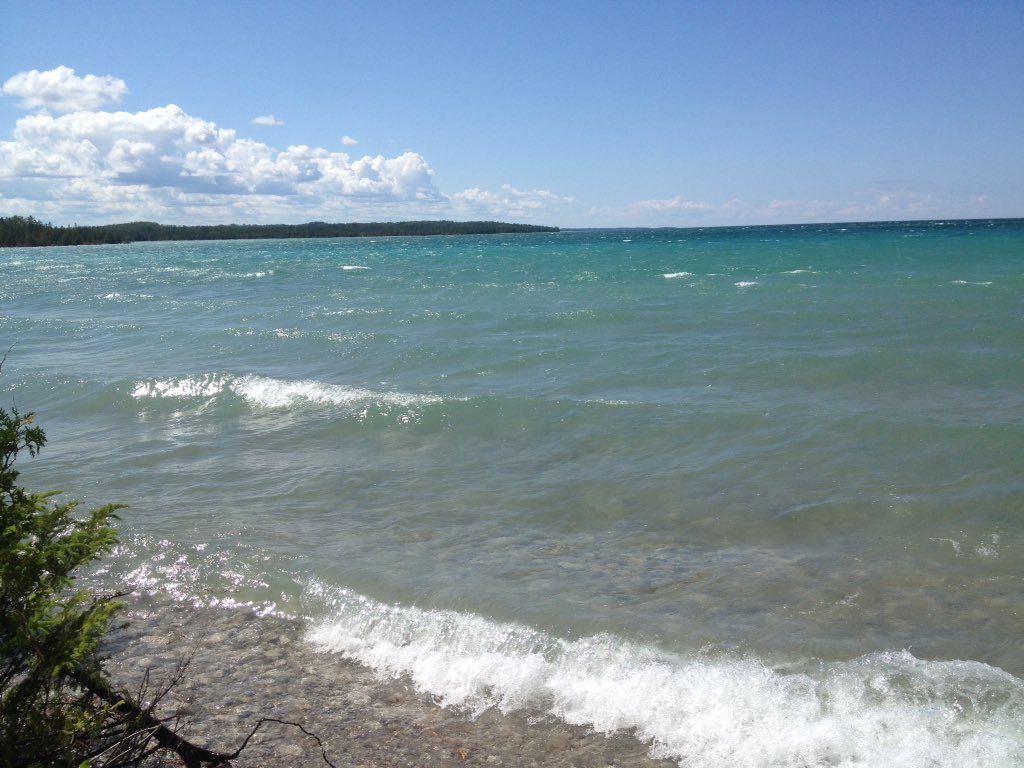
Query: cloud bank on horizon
[74, 159]
[71, 160]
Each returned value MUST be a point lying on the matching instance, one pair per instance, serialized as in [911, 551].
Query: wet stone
[240, 672]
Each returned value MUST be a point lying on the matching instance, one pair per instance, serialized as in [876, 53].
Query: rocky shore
[245, 667]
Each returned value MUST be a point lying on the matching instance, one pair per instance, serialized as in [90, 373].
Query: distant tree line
[22, 231]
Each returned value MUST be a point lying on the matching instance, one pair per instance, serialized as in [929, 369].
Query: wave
[675, 275]
[881, 709]
[270, 393]
[205, 400]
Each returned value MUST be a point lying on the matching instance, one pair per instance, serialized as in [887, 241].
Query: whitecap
[746, 283]
[988, 549]
[276, 393]
[269, 392]
[674, 275]
[202, 386]
[354, 268]
[952, 542]
[886, 708]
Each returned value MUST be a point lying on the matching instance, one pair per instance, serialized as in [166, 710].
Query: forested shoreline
[29, 231]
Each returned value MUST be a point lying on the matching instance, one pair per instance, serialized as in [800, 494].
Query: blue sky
[576, 114]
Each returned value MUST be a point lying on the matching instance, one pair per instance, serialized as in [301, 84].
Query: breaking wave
[271, 393]
[706, 710]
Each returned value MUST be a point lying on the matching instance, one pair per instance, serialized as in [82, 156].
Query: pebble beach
[245, 667]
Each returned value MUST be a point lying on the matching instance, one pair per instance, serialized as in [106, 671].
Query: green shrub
[49, 630]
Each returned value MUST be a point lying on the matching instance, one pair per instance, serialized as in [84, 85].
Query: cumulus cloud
[61, 90]
[348, 141]
[267, 120]
[74, 162]
[104, 157]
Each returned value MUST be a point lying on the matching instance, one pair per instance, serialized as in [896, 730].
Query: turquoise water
[670, 480]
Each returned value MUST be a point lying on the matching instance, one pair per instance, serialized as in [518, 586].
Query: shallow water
[666, 481]
[242, 668]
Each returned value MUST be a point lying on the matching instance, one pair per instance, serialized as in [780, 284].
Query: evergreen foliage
[21, 231]
[49, 631]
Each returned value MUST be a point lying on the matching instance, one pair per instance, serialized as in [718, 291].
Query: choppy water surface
[756, 493]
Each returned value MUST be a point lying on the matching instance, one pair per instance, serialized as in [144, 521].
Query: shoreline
[245, 667]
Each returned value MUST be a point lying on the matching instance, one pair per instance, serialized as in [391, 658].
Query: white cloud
[508, 202]
[61, 90]
[348, 141]
[676, 211]
[267, 120]
[163, 164]
[895, 201]
[175, 159]
[676, 203]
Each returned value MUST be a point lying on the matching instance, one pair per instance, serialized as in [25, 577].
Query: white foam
[952, 542]
[674, 275]
[354, 268]
[968, 282]
[184, 387]
[124, 298]
[886, 709]
[745, 283]
[268, 392]
[276, 393]
[988, 549]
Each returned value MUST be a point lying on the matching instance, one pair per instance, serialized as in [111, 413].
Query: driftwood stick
[263, 720]
[192, 755]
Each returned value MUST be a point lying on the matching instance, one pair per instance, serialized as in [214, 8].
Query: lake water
[756, 494]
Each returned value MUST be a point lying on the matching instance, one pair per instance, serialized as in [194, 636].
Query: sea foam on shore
[244, 667]
[706, 710]
[402, 686]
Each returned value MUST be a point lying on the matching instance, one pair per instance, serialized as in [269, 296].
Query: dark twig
[263, 720]
[192, 755]
[151, 727]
